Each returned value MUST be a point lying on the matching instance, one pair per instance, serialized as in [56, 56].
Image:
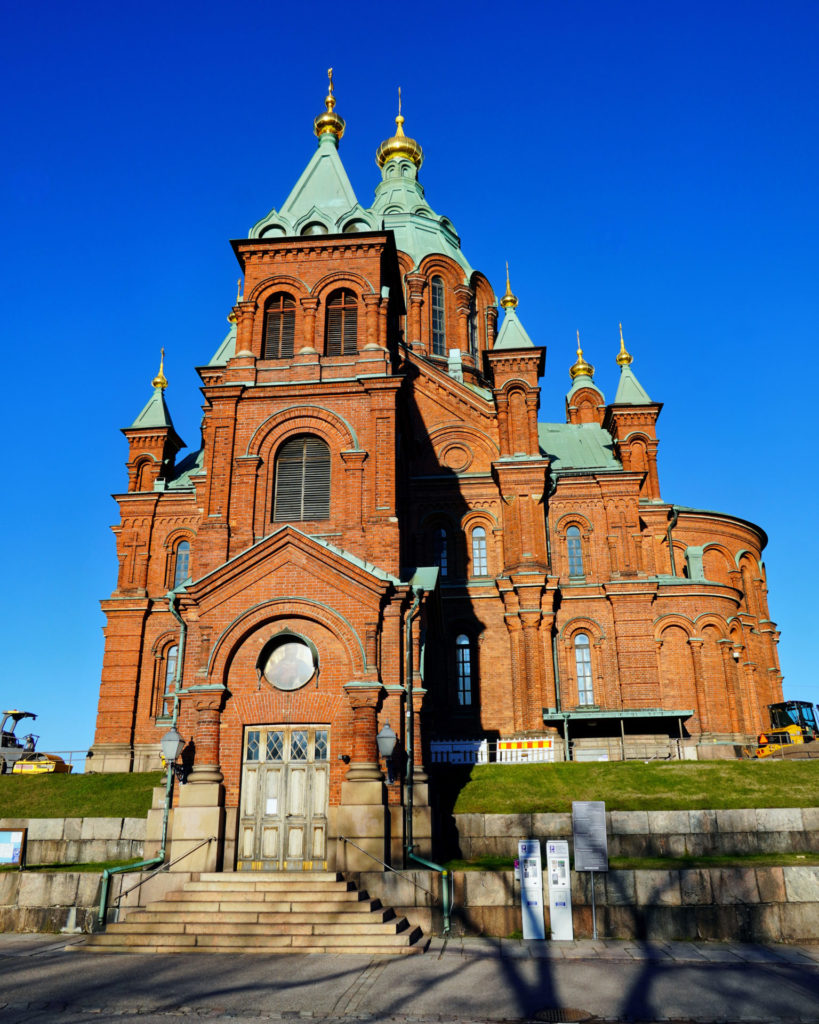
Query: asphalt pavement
[465, 981]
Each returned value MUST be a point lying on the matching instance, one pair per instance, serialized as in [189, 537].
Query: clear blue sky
[654, 163]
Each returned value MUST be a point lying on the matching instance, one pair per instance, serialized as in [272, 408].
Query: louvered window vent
[302, 488]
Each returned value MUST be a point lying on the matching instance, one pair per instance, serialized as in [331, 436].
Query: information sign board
[591, 848]
[560, 889]
[12, 845]
[531, 889]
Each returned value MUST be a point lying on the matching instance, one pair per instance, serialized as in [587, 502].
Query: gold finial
[581, 367]
[399, 144]
[329, 123]
[509, 301]
[160, 380]
[623, 357]
[232, 318]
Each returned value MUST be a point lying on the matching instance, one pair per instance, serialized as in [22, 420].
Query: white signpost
[560, 889]
[591, 847]
[531, 889]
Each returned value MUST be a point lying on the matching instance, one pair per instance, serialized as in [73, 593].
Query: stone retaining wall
[46, 901]
[80, 840]
[653, 833]
[770, 904]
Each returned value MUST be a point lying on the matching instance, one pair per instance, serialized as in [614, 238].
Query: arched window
[438, 317]
[341, 324]
[479, 566]
[279, 326]
[582, 661]
[574, 549]
[181, 562]
[440, 550]
[472, 327]
[463, 669]
[171, 656]
[302, 480]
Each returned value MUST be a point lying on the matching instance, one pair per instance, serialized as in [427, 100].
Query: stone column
[364, 699]
[415, 294]
[371, 304]
[363, 816]
[463, 301]
[699, 683]
[309, 310]
[200, 812]
[491, 326]
[533, 703]
[728, 672]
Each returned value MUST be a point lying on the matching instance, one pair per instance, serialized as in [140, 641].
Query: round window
[289, 665]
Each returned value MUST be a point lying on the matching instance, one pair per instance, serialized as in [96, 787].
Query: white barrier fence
[531, 750]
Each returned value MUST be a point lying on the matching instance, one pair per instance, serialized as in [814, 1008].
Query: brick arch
[260, 615]
[167, 638]
[672, 619]
[573, 519]
[745, 554]
[442, 266]
[338, 279]
[710, 620]
[582, 624]
[472, 519]
[478, 445]
[277, 283]
[303, 419]
[718, 563]
[178, 533]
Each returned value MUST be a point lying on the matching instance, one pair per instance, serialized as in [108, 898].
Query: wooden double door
[283, 808]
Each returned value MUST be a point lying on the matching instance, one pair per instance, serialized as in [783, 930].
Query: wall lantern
[171, 745]
[386, 740]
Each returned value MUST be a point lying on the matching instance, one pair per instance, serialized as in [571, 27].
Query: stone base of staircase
[261, 912]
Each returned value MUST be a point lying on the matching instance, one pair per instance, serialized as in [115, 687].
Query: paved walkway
[465, 981]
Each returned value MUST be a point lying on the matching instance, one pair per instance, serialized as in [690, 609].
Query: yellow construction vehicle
[793, 725]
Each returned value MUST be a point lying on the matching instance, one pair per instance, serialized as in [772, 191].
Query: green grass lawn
[111, 795]
[633, 785]
[745, 860]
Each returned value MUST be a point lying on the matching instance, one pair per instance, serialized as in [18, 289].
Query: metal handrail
[446, 879]
[128, 868]
[165, 867]
[395, 871]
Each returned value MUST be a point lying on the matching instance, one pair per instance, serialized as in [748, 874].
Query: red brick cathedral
[379, 529]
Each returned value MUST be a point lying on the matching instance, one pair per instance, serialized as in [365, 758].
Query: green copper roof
[401, 207]
[155, 413]
[186, 468]
[629, 390]
[226, 349]
[323, 195]
[577, 446]
[583, 381]
[512, 335]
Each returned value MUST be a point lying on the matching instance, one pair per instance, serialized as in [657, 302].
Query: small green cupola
[153, 442]
[631, 420]
[512, 334]
[322, 202]
[629, 391]
[400, 205]
[585, 402]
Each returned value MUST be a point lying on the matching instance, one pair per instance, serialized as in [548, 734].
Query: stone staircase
[261, 912]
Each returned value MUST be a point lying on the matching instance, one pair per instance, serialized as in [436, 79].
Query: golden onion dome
[399, 144]
[581, 368]
[623, 357]
[509, 300]
[160, 380]
[329, 123]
